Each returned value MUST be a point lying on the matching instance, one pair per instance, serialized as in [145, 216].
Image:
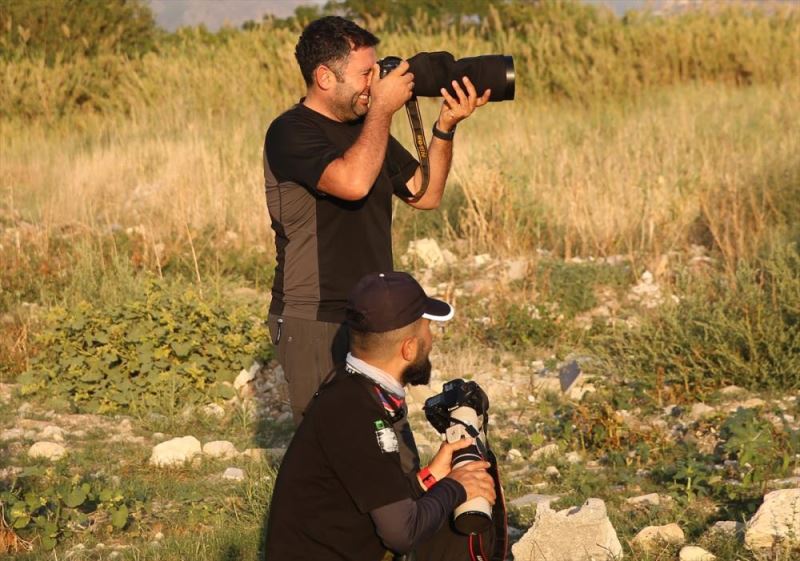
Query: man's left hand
[456, 110]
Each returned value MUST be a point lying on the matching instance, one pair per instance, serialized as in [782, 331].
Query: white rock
[694, 553]
[572, 534]
[125, 426]
[213, 410]
[653, 537]
[776, 524]
[220, 449]
[727, 527]
[548, 451]
[574, 457]
[428, 251]
[514, 455]
[234, 474]
[47, 450]
[175, 451]
[533, 499]
[552, 471]
[652, 499]
[701, 411]
[12, 434]
[516, 269]
[52, 433]
[256, 454]
[244, 378]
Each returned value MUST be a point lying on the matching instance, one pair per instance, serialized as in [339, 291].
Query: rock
[52, 433]
[176, 451]
[548, 451]
[574, 534]
[727, 527]
[776, 524]
[552, 471]
[159, 436]
[255, 454]
[234, 474]
[694, 553]
[568, 375]
[533, 499]
[24, 409]
[12, 434]
[653, 499]
[125, 426]
[732, 390]
[47, 450]
[244, 378]
[652, 537]
[220, 449]
[546, 384]
[574, 457]
[514, 455]
[428, 251]
[516, 269]
[701, 411]
[214, 410]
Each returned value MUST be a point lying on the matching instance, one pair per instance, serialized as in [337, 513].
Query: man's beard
[347, 107]
[418, 373]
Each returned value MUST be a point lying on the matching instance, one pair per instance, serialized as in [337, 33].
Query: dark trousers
[307, 352]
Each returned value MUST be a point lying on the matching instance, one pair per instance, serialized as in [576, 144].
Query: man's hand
[476, 480]
[390, 93]
[456, 110]
[441, 462]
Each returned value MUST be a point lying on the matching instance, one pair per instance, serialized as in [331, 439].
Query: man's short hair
[381, 344]
[329, 41]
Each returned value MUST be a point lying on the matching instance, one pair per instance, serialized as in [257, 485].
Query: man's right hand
[390, 93]
[476, 480]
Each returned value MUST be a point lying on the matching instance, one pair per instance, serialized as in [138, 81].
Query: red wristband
[427, 478]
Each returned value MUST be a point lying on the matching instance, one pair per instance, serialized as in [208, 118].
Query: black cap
[385, 301]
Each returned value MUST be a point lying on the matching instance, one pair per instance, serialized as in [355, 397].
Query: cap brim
[437, 310]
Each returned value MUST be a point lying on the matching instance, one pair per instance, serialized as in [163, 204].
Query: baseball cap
[385, 301]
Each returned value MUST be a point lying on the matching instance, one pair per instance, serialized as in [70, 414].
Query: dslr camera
[461, 411]
[434, 71]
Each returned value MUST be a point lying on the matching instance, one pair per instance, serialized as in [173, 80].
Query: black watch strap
[443, 135]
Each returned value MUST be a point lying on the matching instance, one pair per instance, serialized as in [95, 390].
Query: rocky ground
[570, 498]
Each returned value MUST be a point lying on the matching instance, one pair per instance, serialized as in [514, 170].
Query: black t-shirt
[324, 244]
[341, 464]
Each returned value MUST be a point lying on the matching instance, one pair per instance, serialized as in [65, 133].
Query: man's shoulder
[346, 394]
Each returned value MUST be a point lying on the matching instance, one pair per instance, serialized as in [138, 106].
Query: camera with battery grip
[461, 411]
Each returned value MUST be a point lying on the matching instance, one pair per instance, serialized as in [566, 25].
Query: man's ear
[324, 77]
[409, 348]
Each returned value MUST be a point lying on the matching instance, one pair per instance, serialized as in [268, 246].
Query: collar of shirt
[377, 375]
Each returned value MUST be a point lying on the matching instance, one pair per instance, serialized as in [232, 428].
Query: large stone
[701, 411]
[176, 451]
[233, 474]
[694, 553]
[52, 433]
[47, 450]
[652, 537]
[220, 449]
[548, 451]
[574, 534]
[533, 499]
[568, 375]
[776, 524]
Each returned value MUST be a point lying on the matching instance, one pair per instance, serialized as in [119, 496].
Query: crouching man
[350, 486]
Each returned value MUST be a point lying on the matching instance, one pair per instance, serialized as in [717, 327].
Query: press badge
[387, 439]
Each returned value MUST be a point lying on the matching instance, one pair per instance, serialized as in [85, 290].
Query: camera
[433, 71]
[461, 411]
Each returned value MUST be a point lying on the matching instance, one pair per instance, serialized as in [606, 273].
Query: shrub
[165, 347]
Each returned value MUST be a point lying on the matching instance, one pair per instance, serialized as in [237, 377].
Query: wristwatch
[443, 135]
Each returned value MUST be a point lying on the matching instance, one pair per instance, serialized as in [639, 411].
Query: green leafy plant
[166, 347]
[39, 507]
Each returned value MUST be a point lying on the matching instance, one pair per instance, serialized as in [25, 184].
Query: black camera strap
[415, 120]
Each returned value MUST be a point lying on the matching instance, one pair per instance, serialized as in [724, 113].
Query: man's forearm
[351, 177]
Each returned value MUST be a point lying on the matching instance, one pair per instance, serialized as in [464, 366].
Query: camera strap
[415, 120]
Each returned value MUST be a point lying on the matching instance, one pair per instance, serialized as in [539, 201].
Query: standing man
[350, 486]
[331, 168]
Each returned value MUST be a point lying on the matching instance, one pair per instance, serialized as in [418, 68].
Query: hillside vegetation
[644, 185]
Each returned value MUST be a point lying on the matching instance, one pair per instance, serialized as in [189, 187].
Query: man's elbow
[397, 544]
[348, 191]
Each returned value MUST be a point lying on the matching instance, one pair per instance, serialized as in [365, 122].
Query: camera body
[437, 70]
[461, 411]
